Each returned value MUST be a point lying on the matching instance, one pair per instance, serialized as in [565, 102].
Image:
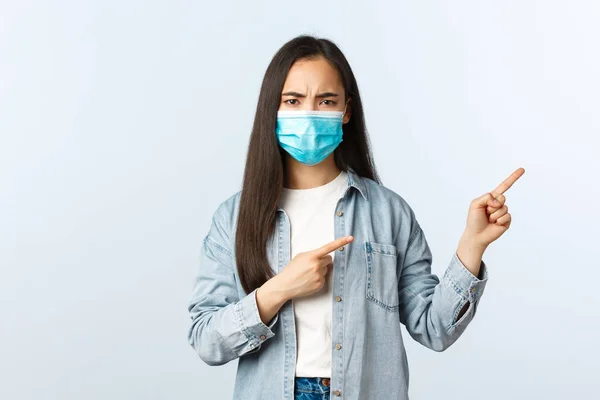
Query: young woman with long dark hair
[307, 273]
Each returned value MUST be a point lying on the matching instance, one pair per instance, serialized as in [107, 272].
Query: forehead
[313, 74]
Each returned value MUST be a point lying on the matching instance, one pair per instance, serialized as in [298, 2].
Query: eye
[329, 102]
[289, 100]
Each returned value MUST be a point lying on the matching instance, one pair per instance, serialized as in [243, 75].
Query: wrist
[469, 242]
[273, 291]
[470, 253]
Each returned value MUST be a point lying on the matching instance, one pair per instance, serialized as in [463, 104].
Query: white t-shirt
[311, 213]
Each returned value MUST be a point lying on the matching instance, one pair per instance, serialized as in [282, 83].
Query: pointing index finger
[508, 182]
[331, 246]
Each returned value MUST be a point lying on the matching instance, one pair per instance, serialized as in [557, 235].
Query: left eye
[329, 102]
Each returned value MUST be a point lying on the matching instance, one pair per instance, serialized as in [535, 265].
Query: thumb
[330, 266]
[487, 199]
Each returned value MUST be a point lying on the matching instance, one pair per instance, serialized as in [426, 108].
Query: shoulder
[229, 206]
[386, 204]
[222, 229]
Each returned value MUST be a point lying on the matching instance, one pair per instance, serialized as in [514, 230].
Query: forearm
[269, 299]
[470, 254]
[222, 332]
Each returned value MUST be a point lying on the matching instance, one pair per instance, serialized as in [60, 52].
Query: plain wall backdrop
[123, 125]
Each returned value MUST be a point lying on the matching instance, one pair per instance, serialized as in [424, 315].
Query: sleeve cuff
[467, 285]
[250, 323]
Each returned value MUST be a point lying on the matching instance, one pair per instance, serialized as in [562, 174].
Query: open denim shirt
[380, 280]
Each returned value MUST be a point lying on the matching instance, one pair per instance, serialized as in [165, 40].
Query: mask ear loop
[346, 106]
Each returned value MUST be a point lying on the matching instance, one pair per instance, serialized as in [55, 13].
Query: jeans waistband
[313, 384]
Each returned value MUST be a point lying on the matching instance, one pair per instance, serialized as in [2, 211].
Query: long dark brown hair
[264, 171]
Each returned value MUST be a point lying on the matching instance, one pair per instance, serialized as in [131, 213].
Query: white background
[125, 123]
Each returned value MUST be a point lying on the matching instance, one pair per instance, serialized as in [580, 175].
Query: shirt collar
[357, 181]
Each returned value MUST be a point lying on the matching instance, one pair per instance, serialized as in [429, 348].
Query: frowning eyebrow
[319, 96]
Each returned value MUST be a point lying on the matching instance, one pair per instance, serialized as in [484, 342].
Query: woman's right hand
[303, 276]
[306, 273]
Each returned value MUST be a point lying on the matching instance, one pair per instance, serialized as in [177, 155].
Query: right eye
[289, 100]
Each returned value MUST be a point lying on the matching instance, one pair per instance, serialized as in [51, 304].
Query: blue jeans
[312, 388]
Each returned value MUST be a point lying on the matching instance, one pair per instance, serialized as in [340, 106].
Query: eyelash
[331, 102]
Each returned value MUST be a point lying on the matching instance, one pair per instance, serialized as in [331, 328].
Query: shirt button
[338, 298]
[341, 248]
[337, 392]
[263, 337]
[338, 346]
[340, 213]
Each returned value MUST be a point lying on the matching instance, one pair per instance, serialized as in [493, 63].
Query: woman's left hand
[488, 216]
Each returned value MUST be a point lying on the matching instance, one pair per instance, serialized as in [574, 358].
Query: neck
[300, 176]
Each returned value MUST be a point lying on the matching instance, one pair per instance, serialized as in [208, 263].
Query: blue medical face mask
[309, 136]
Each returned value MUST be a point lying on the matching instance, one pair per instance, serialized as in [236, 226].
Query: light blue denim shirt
[380, 280]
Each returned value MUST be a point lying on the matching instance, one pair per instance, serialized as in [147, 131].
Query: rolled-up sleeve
[430, 307]
[468, 286]
[255, 330]
[223, 326]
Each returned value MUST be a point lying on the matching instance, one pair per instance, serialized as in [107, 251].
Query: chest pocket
[382, 282]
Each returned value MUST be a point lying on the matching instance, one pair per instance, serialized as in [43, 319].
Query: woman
[307, 272]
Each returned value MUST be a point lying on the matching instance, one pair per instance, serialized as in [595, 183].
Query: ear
[348, 113]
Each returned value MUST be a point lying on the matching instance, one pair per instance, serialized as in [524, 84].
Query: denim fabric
[381, 280]
[311, 389]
